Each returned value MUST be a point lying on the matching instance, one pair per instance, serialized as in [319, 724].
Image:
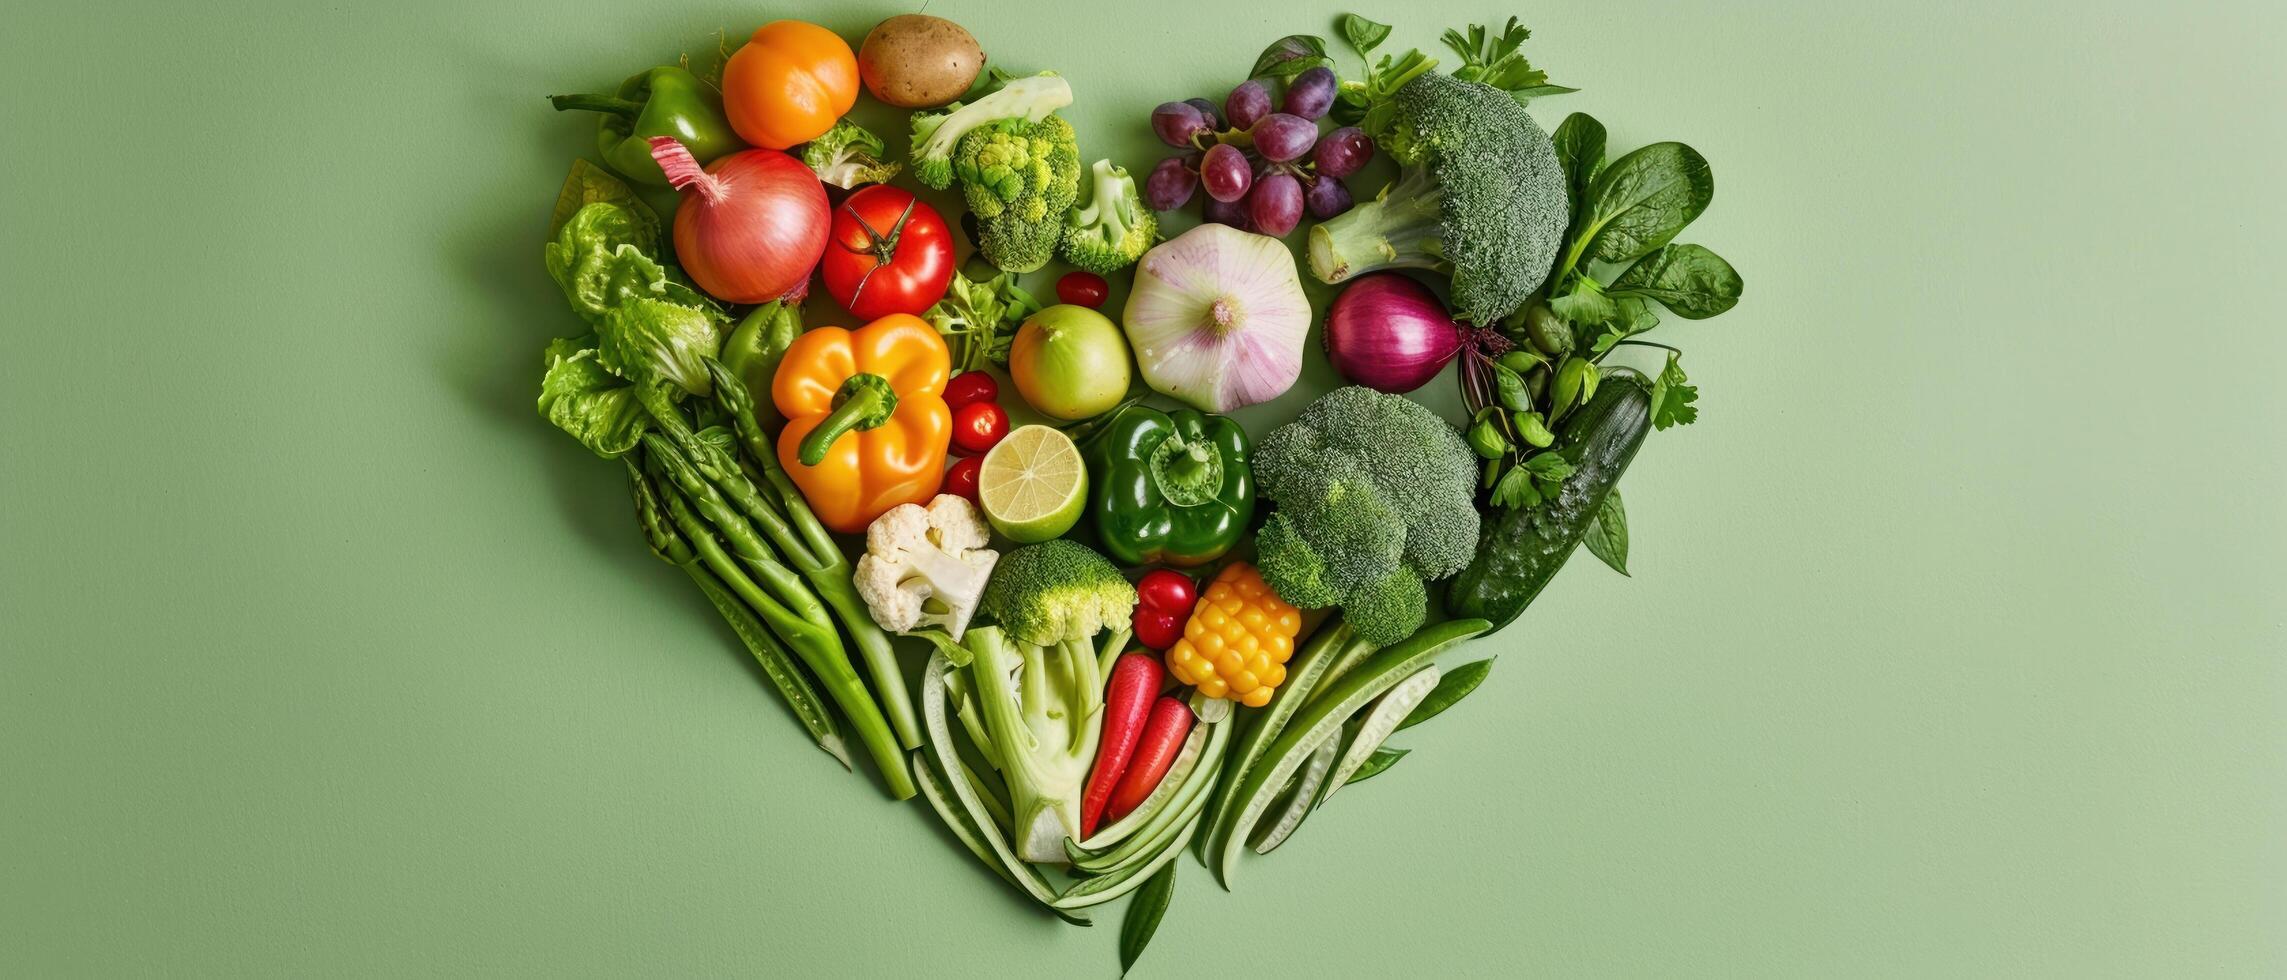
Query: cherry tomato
[1163, 604]
[977, 426]
[971, 386]
[961, 480]
[1081, 288]
[887, 252]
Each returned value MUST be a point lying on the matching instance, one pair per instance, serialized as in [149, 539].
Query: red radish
[1162, 740]
[1127, 697]
[752, 224]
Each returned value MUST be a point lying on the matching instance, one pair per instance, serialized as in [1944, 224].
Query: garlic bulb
[1218, 319]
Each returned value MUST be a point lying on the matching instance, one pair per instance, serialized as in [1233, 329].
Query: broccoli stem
[1400, 228]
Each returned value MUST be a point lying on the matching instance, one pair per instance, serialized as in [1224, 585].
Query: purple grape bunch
[1261, 161]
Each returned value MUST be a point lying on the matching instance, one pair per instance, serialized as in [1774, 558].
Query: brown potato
[915, 61]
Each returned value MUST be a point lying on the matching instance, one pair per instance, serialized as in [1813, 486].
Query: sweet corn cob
[1238, 640]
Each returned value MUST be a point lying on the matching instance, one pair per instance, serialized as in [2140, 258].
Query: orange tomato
[789, 84]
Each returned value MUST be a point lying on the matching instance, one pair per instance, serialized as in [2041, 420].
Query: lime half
[1033, 485]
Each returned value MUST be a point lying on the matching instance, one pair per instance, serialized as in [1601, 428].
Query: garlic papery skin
[1218, 318]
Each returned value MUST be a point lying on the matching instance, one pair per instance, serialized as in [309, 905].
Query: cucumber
[1521, 549]
[1381, 720]
[1320, 720]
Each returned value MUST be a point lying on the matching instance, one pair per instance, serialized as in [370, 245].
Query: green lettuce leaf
[588, 402]
[650, 341]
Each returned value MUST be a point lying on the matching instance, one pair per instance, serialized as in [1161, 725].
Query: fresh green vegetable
[1387, 715]
[937, 135]
[1038, 684]
[755, 347]
[665, 101]
[847, 156]
[1366, 101]
[1296, 801]
[1319, 720]
[1482, 197]
[1523, 547]
[979, 319]
[1143, 916]
[1607, 536]
[1172, 487]
[960, 800]
[1378, 763]
[1335, 645]
[1112, 230]
[1375, 495]
[1019, 179]
[1493, 59]
[1451, 688]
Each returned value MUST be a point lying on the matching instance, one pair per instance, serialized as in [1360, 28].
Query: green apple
[1069, 362]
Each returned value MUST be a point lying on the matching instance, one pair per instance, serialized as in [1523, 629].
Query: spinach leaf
[1691, 281]
[1364, 35]
[1290, 56]
[1643, 199]
[1607, 536]
[1586, 303]
[1579, 143]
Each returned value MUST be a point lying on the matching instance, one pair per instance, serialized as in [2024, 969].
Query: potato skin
[915, 61]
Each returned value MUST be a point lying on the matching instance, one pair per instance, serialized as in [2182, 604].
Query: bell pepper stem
[864, 402]
[1188, 465]
[597, 103]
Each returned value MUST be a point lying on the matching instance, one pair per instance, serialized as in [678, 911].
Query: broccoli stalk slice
[1114, 229]
[1402, 227]
[1040, 705]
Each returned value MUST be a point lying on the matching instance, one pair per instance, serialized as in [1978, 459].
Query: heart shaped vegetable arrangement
[1286, 632]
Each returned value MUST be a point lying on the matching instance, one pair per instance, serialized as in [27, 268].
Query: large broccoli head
[1369, 489]
[1019, 178]
[938, 134]
[1482, 197]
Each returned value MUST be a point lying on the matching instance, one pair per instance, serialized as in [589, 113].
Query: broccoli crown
[1113, 231]
[1357, 449]
[1020, 178]
[1386, 611]
[1483, 197]
[1058, 591]
[937, 135]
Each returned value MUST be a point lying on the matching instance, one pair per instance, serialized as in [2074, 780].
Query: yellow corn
[1238, 640]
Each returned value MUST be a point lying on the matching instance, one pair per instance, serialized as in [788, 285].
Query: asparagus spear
[819, 646]
[777, 663]
[806, 545]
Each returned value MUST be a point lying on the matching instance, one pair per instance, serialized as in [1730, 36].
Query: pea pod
[1318, 721]
[1334, 642]
[1520, 549]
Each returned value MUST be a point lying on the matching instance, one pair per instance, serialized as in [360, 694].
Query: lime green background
[1953, 647]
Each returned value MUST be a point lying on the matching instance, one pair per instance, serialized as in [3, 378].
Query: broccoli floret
[1019, 178]
[847, 156]
[1058, 591]
[1482, 197]
[1368, 489]
[1113, 231]
[936, 135]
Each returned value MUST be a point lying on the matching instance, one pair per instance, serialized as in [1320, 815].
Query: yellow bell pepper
[866, 422]
[1238, 640]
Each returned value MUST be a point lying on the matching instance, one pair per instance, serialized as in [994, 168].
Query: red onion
[1390, 333]
[752, 224]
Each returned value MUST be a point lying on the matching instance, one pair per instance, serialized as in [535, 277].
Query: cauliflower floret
[926, 566]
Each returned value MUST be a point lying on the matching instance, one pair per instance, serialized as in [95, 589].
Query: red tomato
[1163, 604]
[977, 426]
[887, 253]
[1081, 288]
[961, 480]
[971, 386]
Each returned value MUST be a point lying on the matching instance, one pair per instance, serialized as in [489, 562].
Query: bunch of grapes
[1261, 169]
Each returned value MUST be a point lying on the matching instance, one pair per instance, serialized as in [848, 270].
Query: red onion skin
[1389, 333]
[752, 224]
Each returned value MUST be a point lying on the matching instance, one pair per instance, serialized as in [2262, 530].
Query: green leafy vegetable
[1643, 199]
[1607, 536]
[1144, 913]
[589, 403]
[1292, 55]
[1672, 395]
[978, 318]
[1691, 281]
[1383, 758]
[1493, 59]
[1451, 688]
[589, 184]
[653, 341]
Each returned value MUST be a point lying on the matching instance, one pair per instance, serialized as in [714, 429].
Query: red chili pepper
[1163, 604]
[1162, 739]
[1127, 698]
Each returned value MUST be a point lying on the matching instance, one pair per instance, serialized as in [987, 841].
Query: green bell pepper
[1172, 487]
[665, 101]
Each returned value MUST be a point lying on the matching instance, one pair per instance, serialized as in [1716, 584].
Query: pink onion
[752, 224]
[1390, 333]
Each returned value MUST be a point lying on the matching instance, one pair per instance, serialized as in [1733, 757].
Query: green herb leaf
[1144, 913]
[1290, 56]
[1364, 35]
[1493, 60]
[1552, 467]
[1378, 763]
[1515, 489]
[589, 403]
[1607, 536]
[1672, 396]
[1643, 199]
[1450, 689]
[1689, 280]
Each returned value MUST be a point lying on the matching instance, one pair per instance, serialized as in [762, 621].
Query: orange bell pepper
[866, 422]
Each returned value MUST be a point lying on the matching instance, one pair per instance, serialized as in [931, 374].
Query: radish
[1127, 698]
